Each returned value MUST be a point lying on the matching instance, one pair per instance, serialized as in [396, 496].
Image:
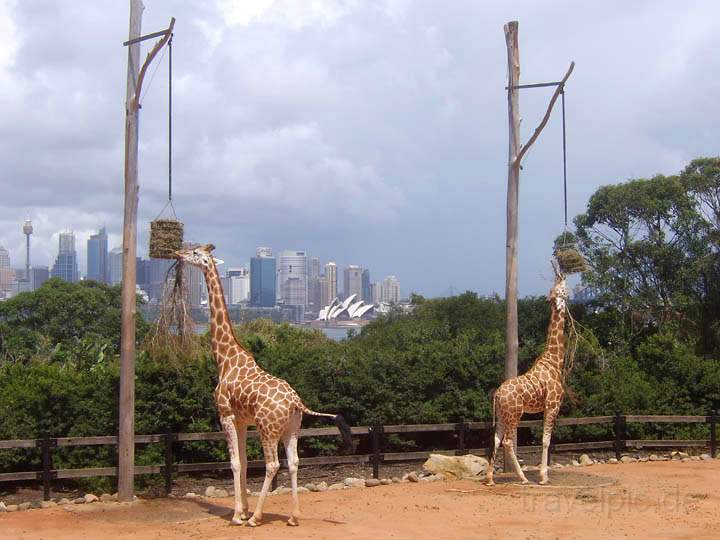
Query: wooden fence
[375, 433]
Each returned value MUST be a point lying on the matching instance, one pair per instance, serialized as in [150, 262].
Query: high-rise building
[38, 276]
[391, 290]
[324, 292]
[115, 258]
[6, 272]
[97, 257]
[352, 281]
[314, 291]
[366, 293]
[262, 278]
[237, 285]
[376, 292]
[196, 285]
[331, 282]
[65, 266]
[292, 265]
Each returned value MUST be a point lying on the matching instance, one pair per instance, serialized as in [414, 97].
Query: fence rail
[375, 433]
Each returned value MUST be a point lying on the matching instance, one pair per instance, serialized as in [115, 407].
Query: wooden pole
[126, 435]
[511, 262]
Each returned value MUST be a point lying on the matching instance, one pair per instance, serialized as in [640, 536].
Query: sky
[370, 132]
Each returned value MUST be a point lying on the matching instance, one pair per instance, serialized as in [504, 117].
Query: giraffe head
[559, 292]
[200, 256]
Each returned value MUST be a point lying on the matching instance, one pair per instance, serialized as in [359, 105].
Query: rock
[255, 493]
[47, 504]
[282, 490]
[209, 491]
[354, 482]
[653, 457]
[456, 466]
[90, 498]
[695, 458]
[336, 487]
[79, 500]
[322, 486]
[190, 495]
[575, 463]
[644, 459]
[372, 482]
[24, 506]
[705, 457]
[685, 459]
[63, 501]
[627, 459]
[220, 493]
[36, 504]
[396, 480]
[585, 460]
[613, 461]
[302, 489]
[12, 507]
[412, 477]
[3, 508]
[385, 481]
[311, 487]
[106, 497]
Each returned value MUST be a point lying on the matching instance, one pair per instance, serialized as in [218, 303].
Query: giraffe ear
[210, 247]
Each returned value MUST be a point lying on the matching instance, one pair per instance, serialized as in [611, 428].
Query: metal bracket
[147, 36]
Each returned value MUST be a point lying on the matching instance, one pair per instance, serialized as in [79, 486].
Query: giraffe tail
[341, 424]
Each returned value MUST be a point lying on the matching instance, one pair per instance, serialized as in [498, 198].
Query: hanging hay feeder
[166, 236]
[569, 259]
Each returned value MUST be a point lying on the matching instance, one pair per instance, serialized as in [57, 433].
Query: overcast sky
[365, 132]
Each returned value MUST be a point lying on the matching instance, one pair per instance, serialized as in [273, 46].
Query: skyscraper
[115, 266]
[352, 281]
[262, 278]
[6, 272]
[27, 231]
[196, 284]
[38, 276]
[237, 284]
[324, 292]
[292, 265]
[97, 257]
[65, 266]
[314, 294]
[391, 290]
[331, 284]
[366, 293]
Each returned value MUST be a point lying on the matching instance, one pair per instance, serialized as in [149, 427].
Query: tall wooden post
[511, 262]
[126, 442]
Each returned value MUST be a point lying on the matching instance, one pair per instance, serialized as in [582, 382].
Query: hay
[173, 335]
[570, 260]
[166, 237]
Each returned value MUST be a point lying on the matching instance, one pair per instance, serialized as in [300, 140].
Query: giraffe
[246, 395]
[540, 389]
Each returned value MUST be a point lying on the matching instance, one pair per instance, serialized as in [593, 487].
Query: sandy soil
[639, 500]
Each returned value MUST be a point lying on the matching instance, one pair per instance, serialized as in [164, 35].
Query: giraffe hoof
[252, 522]
[293, 522]
[489, 483]
[524, 481]
[238, 521]
[544, 482]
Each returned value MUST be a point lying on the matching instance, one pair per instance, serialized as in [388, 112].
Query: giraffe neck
[555, 344]
[221, 329]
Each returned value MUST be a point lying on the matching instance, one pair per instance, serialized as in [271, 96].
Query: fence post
[45, 444]
[619, 435]
[712, 420]
[377, 433]
[461, 429]
[169, 461]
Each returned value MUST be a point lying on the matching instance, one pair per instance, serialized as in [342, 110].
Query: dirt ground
[639, 500]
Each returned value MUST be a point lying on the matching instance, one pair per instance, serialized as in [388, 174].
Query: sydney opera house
[349, 309]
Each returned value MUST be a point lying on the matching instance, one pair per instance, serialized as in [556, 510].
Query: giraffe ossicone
[247, 395]
[540, 389]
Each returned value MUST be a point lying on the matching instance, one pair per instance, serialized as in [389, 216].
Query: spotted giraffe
[246, 395]
[540, 389]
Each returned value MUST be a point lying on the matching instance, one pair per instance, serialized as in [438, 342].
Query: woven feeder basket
[570, 260]
[166, 237]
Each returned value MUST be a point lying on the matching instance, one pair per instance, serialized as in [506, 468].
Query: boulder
[47, 504]
[372, 482]
[627, 459]
[106, 497]
[79, 500]
[411, 477]
[336, 487]
[190, 495]
[613, 461]
[653, 457]
[585, 460]
[705, 457]
[282, 491]
[24, 506]
[396, 480]
[3, 508]
[36, 504]
[302, 489]
[63, 501]
[311, 487]
[209, 491]
[456, 466]
[354, 482]
[220, 493]
[90, 498]
[12, 507]
[386, 481]
[322, 486]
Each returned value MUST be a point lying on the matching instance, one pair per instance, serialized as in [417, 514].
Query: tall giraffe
[246, 395]
[540, 389]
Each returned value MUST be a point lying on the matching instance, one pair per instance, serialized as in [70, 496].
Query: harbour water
[333, 332]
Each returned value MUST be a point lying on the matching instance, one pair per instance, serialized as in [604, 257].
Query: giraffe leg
[499, 434]
[293, 462]
[228, 424]
[271, 468]
[242, 436]
[548, 424]
[509, 444]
